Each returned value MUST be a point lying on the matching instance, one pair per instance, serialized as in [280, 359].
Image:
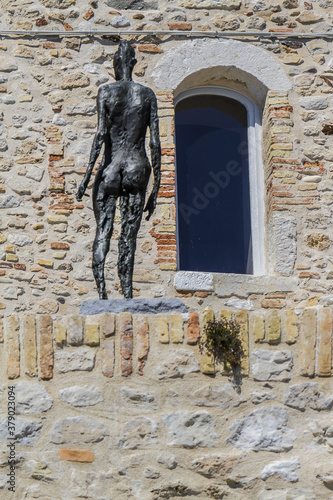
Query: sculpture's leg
[104, 208]
[131, 208]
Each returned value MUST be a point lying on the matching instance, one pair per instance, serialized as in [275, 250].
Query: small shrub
[221, 340]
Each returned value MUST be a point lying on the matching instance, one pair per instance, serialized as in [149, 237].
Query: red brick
[89, 14]
[180, 26]
[49, 45]
[41, 22]
[21, 267]
[67, 27]
[193, 329]
[59, 245]
[150, 49]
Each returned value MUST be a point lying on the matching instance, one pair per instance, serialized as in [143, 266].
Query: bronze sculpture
[125, 110]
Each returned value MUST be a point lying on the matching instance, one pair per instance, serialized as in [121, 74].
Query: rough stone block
[26, 432]
[45, 346]
[91, 330]
[286, 469]
[178, 364]
[271, 365]
[32, 398]
[126, 343]
[324, 343]
[281, 237]
[308, 330]
[108, 358]
[264, 429]
[190, 430]
[176, 329]
[215, 395]
[81, 395]
[30, 344]
[12, 344]
[138, 433]
[81, 359]
[307, 395]
[193, 281]
[273, 327]
[142, 340]
[78, 430]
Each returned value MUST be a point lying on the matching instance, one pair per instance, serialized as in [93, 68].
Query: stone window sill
[226, 285]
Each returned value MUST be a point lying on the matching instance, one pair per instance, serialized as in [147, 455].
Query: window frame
[256, 171]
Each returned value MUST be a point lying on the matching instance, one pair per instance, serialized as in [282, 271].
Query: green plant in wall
[222, 340]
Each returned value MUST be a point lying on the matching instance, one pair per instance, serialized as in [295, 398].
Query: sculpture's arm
[155, 148]
[97, 144]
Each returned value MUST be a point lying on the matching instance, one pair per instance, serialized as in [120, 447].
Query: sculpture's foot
[103, 295]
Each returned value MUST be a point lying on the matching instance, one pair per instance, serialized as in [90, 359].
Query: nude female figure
[125, 110]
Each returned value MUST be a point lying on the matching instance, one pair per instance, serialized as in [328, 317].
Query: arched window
[220, 202]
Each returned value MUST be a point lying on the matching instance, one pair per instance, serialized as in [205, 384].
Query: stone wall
[48, 116]
[120, 406]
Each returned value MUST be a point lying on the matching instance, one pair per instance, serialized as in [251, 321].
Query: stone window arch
[248, 74]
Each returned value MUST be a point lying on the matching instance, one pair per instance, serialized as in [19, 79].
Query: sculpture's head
[124, 61]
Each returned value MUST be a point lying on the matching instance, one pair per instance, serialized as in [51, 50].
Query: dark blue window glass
[212, 176]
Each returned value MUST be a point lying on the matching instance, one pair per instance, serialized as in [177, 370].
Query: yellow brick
[10, 249]
[1, 329]
[308, 342]
[54, 53]
[60, 331]
[59, 255]
[38, 225]
[257, 327]
[284, 146]
[225, 314]
[168, 267]
[91, 330]
[278, 154]
[277, 100]
[12, 336]
[25, 98]
[56, 219]
[273, 327]
[176, 328]
[207, 361]
[324, 343]
[75, 329]
[162, 330]
[3, 238]
[30, 345]
[290, 327]
[283, 174]
[242, 318]
[45, 263]
[11, 257]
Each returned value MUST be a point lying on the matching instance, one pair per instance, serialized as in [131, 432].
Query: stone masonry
[122, 406]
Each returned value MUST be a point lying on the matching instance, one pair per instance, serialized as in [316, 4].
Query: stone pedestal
[134, 306]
